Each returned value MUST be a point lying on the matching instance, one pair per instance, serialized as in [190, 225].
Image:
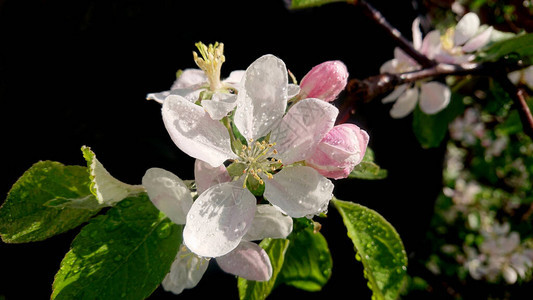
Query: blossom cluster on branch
[264, 148]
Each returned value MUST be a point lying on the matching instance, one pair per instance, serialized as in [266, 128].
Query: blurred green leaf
[520, 45]
[430, 130]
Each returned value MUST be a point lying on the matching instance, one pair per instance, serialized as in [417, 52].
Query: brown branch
[525, 112]
[519, 95]
[373, 87]
[402, 42]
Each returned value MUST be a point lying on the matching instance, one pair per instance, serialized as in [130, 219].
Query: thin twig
[402, 42]
[519, 95]
[525, 112]
[373, 87]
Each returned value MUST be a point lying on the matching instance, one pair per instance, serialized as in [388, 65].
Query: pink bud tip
[325, 81]
[342, 148]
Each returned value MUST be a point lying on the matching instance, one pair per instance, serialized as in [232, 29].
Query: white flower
[458, 44]
[469, 128]
[501, 254]
[171, 196]
[524, 76]
[431, 96]
[220, 96]
[222, 215]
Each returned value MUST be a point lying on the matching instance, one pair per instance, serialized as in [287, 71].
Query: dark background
[76, 73]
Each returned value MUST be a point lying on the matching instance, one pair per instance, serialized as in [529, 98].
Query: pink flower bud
[325, 81]
[340, 151]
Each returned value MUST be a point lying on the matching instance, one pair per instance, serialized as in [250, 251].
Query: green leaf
[520, 45]
[299, 4]
[513, 123]
[24, 217]
[107, 189]
[367, 169]
[430, 130]
[123, 254]
[275, 248]
[308, 261]
[378, 247]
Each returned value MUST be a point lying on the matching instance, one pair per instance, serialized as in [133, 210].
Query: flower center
[448, 43]
[210, 62]
[258, 157]
[192, 260]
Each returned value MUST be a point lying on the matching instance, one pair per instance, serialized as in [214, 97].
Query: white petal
[390, 66]
[515, 76]
[292, 90]
[206, 176]
[218, 219]
[190, 78]
[404, 59]
[417, 34]
[190, 94]
[220, 105]
[185, 272]
[158, 97]
[509, 274]
[405, 104]
[444, 57]
[434, 97]
[528, 77]
[431, 45]
[466, 28]
[263, 97]
[299, 191]
[168, 193]
[235, 77]
[302, 128]
[397, 92]
[195, 133]
[479, 41]
[269, 222]
[248, 261]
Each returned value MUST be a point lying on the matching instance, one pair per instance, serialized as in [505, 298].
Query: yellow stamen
[210, 62]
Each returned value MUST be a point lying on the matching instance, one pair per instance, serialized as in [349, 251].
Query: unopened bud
[325, 81]
[342, 148]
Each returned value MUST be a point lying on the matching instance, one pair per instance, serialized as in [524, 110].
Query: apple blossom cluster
[456, 46]
[264, 151]
[501, 254]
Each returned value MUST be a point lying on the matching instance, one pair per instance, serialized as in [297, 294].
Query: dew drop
[164, 230]
[357, 256]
